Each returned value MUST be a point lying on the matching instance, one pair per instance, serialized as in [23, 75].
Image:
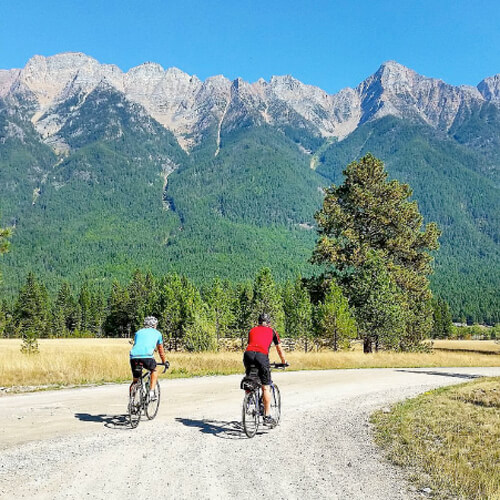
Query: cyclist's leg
[266, 398]
[154, 378]
[265, 376]
[136, 366]
[150, 364]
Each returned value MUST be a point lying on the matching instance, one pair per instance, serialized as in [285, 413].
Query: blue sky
[331, 44]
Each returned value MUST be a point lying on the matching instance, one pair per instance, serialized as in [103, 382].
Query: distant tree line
[189, 317]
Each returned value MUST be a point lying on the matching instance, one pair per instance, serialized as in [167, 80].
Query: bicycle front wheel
[275, 403]
[153, 403]
[250, 414]
[135, 405]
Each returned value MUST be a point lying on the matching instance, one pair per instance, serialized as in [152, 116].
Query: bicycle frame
[253, 398]
[143, 385]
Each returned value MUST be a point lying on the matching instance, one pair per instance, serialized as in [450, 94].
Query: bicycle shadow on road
[218, 428]
[442, 374]
[110, 421]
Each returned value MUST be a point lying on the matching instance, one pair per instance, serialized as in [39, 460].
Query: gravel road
[77, 444]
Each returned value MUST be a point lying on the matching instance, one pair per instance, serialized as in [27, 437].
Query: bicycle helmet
[264, 318]
[150, 322]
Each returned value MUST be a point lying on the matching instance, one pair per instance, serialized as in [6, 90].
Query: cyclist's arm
[161, 352]
[279, 350]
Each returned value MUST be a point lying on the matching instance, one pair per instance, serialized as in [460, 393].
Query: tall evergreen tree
[168, 310]
[297, 309]
[367, 218]
[5, 234]
[244, 311]
[31, 311]
[335, 320]
[267, 299]
[442, 324]
[66, 317]
[379, 311]
[118, 321]
[85, 303]
[219, 299]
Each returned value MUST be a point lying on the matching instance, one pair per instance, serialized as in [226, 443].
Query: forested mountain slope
[102, 172]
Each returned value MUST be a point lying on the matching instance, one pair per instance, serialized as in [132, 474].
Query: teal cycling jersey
[145, 342]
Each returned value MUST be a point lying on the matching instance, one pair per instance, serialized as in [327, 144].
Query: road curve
[76, 443]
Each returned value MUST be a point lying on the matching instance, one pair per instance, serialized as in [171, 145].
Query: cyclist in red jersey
[260, 339]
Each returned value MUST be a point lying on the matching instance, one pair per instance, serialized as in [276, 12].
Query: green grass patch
[448, 438]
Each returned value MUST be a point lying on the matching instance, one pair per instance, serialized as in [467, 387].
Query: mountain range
[103, 171]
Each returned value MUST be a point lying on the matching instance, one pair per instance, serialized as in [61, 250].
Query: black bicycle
[140, 400]
[253, 405]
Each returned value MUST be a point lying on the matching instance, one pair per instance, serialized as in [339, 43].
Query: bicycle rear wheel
[275, 403]
[250, 414]
[153, 404]
[135, 405]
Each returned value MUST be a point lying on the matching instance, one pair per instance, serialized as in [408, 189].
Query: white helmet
[150, 322]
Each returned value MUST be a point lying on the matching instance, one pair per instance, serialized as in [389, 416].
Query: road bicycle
[140, 400]
[253, 405]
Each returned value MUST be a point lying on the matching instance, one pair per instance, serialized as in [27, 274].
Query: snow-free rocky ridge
[191, 108]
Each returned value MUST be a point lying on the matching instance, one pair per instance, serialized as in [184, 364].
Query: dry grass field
[450, 438]
[487, 346]
[66, 362]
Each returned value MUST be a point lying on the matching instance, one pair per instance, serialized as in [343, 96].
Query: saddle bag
[250, 383]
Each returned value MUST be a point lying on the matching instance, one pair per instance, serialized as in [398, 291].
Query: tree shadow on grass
[110, 421]
[441, 374]
[220, 429]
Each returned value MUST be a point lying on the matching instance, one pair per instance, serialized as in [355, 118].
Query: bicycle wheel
[135, 405]
[152, 405]
[250, 414]
[275, 403]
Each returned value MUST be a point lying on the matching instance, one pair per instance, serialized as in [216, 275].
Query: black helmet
[264, 318]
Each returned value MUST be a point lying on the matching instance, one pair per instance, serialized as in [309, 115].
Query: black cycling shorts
[261, 362]
[137, 364]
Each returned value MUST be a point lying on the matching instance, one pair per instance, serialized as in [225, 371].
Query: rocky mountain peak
[188, 107]
[490, 88]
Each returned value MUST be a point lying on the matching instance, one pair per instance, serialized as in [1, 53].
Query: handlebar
[279, 366]
[166, 365]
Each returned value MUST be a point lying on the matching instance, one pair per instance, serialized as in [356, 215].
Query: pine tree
[244, 311]
[118, 322]
[219, 299]
[379, 314]
[442, 323]
[85, 303]
[140, 291]
[267, 299]
[31, 311]
[297, 309]
[168, 310]
[368, 218]
[65, 317]
[335, 320]
[5, 234]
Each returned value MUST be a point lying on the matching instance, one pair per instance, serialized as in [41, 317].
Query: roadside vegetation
[448, 438]
[66, 362]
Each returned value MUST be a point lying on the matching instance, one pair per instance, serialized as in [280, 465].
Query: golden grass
[488, 346]
[63, 362]
[450, 437]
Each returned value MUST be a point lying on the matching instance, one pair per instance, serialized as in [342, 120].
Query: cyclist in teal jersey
[146, 341]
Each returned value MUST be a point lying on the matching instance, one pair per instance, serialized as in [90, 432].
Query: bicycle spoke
[250, 414]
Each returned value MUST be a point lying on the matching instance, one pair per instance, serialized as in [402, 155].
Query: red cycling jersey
[260, 339]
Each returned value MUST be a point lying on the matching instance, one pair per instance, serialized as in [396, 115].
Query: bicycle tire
[275, 403]
[135, 405]
[250, 414]
[153, 406]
